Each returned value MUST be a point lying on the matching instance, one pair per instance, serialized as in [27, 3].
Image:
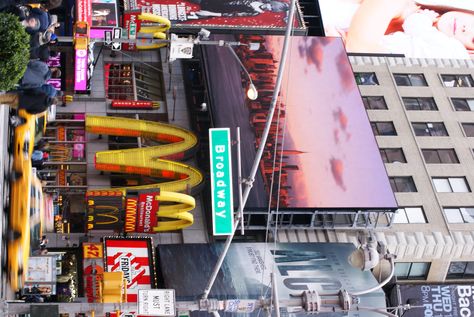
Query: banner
[133, 257]
[245, 273]
[451, 300]
[222, 16]
[104, 210]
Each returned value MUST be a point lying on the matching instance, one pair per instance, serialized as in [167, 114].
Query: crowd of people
[33, 92]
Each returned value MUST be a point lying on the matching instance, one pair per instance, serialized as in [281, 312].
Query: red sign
[141, 210]
[131, 19]
[222, 14]
[133, 257]
[83, 11]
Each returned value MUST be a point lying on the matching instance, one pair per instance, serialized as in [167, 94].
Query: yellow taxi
[23, 184]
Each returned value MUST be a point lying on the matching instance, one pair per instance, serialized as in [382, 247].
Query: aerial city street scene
[207, 158]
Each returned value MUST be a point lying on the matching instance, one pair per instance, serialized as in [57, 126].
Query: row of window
[431, 156]
[416, 80]
[387, 128]
[418, 103]
[405, 184]
[417, 215]
[419, 270]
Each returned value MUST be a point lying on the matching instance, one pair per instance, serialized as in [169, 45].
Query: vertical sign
[221, 182]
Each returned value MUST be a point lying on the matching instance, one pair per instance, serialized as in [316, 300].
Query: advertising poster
[105, 210]
[223, 15]
[327, 154]
[420, 28]
[104, 13]
[245, 273]
[133, 257]
[141, 208]
[41, 277]
[449, 300]
[93, 267]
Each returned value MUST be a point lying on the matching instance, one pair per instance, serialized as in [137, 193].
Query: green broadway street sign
[221, 182]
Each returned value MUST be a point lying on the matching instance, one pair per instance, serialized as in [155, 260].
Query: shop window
[451, 185]
[420, 103]
[366, 79]
[374, 102]
[468, 129]
[410, 79]
[463, 104]
[457, 80]
[412, 270]
[459, 214]
[429, 129]
[383, 128]
[460, 270]
[402, 184]
[393, 155]
[133, 82]
[440, 156]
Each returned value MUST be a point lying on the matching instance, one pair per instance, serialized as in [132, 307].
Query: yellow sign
[92, 250]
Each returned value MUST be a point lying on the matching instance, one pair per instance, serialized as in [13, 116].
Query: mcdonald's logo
[155, 161]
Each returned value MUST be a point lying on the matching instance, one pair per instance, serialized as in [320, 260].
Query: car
[22, 179]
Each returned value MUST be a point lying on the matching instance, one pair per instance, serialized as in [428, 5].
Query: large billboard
[133, 257]
[449, 300]
[421, 28]
[222, 15]
[245, 273]
[326, 151]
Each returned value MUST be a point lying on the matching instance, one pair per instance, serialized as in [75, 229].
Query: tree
[14, 50]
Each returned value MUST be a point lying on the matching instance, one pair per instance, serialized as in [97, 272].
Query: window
[133, 82]
[394, 155]
[374, 102]
[460, 270]
[366, 79]
[451, 185]
[412, 270]
[429, 129]
[463, 104]
[457, 80]
[440, 156]
[410, 79]
[419, 103]
[459, 214]
[410, 215]
[403, 184]
[468, 129]
[383, 128]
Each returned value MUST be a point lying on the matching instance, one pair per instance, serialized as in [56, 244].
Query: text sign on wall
[221, 181]
[156, 302]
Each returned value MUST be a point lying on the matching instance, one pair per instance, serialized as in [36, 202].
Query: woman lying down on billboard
[415, 28]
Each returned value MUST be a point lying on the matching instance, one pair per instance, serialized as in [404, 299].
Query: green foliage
[14, 50]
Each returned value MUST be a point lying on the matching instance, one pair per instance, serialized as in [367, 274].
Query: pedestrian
[37, 74]
[34, 101]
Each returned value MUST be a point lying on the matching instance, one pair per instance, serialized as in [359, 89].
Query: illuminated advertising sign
[83, 11]
[104, 13]
[429, 29]
[93, 267]
[133, 257]
[80, 70]
[328, 157]
[141, 210]
[450, 300]
[104, 210]
[222, 15]
[245, 272]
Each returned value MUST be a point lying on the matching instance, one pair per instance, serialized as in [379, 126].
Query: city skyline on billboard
[245, 273]
[222, 16]
[329, 156]
[420, 28]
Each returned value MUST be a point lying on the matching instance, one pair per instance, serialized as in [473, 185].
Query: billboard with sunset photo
[326, 150]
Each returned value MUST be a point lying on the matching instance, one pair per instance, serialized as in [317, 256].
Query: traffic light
[114, 288]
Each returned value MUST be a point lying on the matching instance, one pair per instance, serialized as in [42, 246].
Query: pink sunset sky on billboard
[330, 158]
